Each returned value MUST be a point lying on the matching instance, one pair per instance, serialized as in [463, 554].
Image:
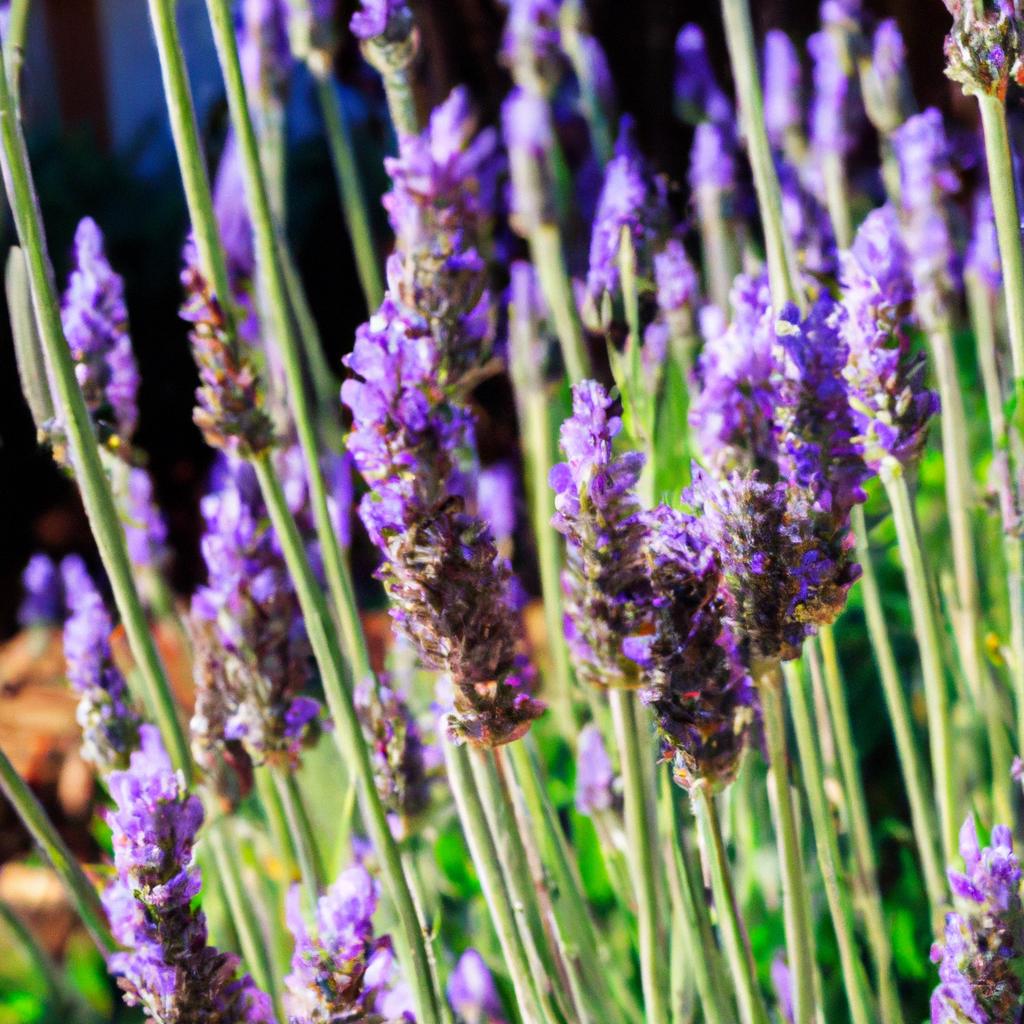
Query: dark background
[144, 219]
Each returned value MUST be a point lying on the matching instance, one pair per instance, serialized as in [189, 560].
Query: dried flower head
[983, 48]
[388, 34]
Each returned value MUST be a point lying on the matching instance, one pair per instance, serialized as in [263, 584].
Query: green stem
[277, 821]
[567, 895]
[926, 628]
[85, 457]
[782, 268]
[640, 846]
[508, 844]
[348, 735]
[827, 843]
[860, 831]
[14, 43]
[548, 258]
[488, 866]
[734, 938]
[300, 831]
[240, 905]
[401, 102]
[794, 892]
[1007, 217]
[692, 930]
[836, 192]
[83, 894]
[922, 809]
[419, 898]
[61, 997]
[350, 189]
[718, 246]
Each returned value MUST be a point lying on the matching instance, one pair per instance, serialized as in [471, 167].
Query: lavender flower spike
[110, 725]
[252, 654]
[43, 600]
[472, 994]
[889, 399]
[144, 525]
[595, 775]
[531, 46]
[167, 967]
[831, 115]
[597, 511]
[887, 94]
[95, 320]
[783, 113]
[982, 952]
[697, 92]
[339, 970]
[529, 136]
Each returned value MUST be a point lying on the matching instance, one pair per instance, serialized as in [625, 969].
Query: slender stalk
[300, 832]
[277, 821]
[508, 845]
[740, 961]
[567, 891]
[922, 809]
[794, 894]
[354, 204]
[827, 843]
[85, 457]
[488, 866]
[337, 683]
[254, 948]
[412, 873]
[926, 628]
[1007, 217]
[782, 267]
[548, 258]
[836, 191]
[721, 262]
[401, 102]
[692, 932]
[860, 831]
[83, 894]
[59, 995]
[14, 43]
[640, 851]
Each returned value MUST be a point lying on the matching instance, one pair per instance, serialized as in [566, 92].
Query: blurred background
[100, 146]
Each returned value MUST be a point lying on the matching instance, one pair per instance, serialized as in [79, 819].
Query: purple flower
[167, 967]
[531, 45]
[472, 993]
[339, 970]
[451, 592]
[529, 137]
[496, 499]
[832, 121]
[144, 526]
[380, 18]
[982, 257]
[980, 956]
[697, 93]
[783, 109]
[690, 673]
[263, 49]
[814, 423]
[42, 603]
[712, 160]
[807, 223]
[232, 214]
[229, 400]
[887, 94]
[889, 399]
[95, 320]
[731, 416]
[632, 203]
[442, 200]
[253, 657]
[676, 280]
[926, 179]
[786, 569]
[110, 725]
[782, 982]
[595, 776]
[597, 511]
[402, 759]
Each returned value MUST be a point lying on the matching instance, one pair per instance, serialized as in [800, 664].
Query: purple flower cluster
[927, 179]
[42, 603]
[982, 257]
[783, 102]
[110, 725]
[403, 762]
[807, 223]
[632, 205]
[698, 95]
[144, 526]
[387, 32]
[889, 399]
[832, 122]
[531, 46]
[166, 967]
[712, 158]
[450, 591]
[340, 971]
[472, 994]
[442, 200]
[886, 89]
[596, 510]
[595, 775]
[980, 955]
[95, 320]
[529, 136]
[252, 656]
[266, 58]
